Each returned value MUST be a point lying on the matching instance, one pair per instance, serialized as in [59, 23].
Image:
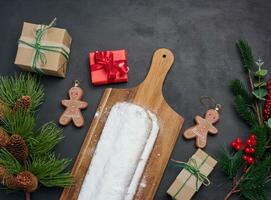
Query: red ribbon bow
[105, 60]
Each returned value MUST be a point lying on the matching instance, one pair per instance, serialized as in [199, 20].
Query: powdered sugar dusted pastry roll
[143, 159]
[118, 153]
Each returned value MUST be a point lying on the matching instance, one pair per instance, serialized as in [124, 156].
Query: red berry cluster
[237, 144]
[267, 107]
[248, 148]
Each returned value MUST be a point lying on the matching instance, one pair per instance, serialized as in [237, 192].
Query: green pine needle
[45, 140]
[60, 180]
[19, 122]
[9, 162]
[50, 171]
[245, 111]
[255, 193]
[238, 88]
[246, 54]
[254, 184]
[258, 172]
[14, 87]
[231, 163]
[261, 135]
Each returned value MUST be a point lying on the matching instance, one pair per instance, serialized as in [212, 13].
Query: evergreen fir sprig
[261, 135]
[14, 87]
[245, 112]
[19, 122]
[253, 192]
[8, 161]
[45, 139]
[254, 183]
[238, 88]
[258, 172]
[246, 54]
[51, 171]
[230, 162]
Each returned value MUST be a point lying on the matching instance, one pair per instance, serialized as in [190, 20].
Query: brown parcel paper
[184, 186]
[56, 63]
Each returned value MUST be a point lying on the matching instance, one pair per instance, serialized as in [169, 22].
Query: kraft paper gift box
[44, 49]
[186, 184]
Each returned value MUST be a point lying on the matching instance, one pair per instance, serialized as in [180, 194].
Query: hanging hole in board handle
[164, 55]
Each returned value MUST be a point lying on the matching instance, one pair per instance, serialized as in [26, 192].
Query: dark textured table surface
[201, 33]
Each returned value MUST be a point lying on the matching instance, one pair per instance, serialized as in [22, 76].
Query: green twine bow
[192, 167]
[39, 54]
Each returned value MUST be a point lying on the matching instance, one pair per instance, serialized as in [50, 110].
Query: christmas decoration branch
[47, 137]
[8, 162]
[49, 170]
[248, 165]
[19, 122]
[13, 88]
[27, 156]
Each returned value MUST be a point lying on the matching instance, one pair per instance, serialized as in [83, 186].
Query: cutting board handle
[162, 61]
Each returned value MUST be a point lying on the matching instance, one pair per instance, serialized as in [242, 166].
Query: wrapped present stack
[195, 173]
[44, 49]
[108, 67]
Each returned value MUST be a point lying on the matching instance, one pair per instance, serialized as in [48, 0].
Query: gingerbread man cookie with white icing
[73, 106]
[203, 127]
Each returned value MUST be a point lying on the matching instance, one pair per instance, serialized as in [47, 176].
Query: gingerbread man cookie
[73, 106]
[203, 127]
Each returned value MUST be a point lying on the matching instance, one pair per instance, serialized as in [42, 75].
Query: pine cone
[22, 104]
[17, 147]
[3, 172]
[2, 109]
[27, 181]
[9, 181]
[4, 138]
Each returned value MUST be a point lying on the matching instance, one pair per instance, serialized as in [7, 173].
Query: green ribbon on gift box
[192, 167]
[39, 48]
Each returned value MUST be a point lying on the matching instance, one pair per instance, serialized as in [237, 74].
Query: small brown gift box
[186, 184]
[52, 55]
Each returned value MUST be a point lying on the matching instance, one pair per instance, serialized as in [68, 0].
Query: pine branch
[229, 163]
[254, 183]
[20, 122]
[267, 187]
[246, 54]
[257, 173]
[8, 161]
[245, 111]
[45, 140]
[51, 171]
[255, 193]
[59, 180]
[248, 63]
[238, 88]
[13, 88]
[261, 135]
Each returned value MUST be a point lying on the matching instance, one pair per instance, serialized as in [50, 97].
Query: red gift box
[108, 67]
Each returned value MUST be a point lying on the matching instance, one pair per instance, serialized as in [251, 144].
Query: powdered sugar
[144, 158]
[121, 154]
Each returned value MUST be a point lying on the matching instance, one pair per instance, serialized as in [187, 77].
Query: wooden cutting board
[148, 95]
